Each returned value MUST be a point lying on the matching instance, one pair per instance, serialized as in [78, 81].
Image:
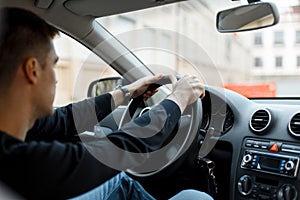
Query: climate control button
[245, 185]
[287, 192]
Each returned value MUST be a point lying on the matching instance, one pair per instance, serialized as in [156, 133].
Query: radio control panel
[282, 165]
[268, 169]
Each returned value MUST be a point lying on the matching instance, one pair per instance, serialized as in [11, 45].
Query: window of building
[298, 37]
[298, 61]
[278, 61]
[278, 37]
[258, 39]
[258, 62]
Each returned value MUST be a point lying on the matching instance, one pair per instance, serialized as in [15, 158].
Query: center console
[268, 170]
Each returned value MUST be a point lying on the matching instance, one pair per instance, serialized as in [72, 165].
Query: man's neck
[14, 118]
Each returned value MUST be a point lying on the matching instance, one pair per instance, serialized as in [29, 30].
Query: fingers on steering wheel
[203, 94]
[173, 79]
[155, 79]
[149, 94]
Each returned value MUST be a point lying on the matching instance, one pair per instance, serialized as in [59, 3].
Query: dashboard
[256, 156]
[259, 139]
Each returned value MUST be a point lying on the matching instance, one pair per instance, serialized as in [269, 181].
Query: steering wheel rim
[193, 114]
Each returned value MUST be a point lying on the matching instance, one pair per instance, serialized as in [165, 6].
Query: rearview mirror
[247, 17]
[103, 85]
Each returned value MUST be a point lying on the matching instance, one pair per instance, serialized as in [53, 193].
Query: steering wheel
[186, 132]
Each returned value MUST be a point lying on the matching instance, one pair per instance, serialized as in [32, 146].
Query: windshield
[183, 37]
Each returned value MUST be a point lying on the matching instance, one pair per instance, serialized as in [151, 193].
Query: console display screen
[269, 163]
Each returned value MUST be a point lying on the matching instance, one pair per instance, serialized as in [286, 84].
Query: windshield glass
[183, 37]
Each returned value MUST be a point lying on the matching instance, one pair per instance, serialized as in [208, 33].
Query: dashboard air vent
[294, 125]
[260, 121]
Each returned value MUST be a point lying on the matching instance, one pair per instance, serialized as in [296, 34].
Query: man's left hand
[140, 86]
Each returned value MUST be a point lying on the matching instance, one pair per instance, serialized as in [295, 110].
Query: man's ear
[31, 69]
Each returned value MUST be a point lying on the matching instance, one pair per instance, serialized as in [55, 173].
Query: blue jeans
[122, 187]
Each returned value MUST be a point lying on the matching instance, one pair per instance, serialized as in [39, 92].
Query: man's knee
[127, 182]
[191, 195]
[125, 178]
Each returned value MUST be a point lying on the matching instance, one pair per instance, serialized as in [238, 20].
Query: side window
[76, 69]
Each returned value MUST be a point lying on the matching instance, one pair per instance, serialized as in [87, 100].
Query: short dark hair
[23, 34]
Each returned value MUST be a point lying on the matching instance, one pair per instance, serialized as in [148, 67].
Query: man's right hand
[186, 90]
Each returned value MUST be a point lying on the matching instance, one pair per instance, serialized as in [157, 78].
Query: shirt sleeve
[133, 144]
[155, 125]
[72, 119]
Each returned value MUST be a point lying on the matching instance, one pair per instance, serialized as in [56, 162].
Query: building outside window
[298, 61]
[278, 37]
[258, 39]
[297, 37]
[278, 61]
[258, 62]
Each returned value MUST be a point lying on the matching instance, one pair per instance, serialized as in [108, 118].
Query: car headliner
[99, 8]
[81, 11]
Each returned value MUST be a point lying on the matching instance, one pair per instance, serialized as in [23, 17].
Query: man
[38, 156]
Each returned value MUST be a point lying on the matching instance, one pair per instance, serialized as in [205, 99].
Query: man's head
[27, 52]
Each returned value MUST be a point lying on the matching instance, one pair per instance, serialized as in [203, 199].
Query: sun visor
[99, 8]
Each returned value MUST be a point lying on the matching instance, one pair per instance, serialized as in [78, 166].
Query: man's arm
[69, 121]
[72, 119]
[151, 130]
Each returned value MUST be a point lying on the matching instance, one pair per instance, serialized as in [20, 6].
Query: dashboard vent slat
[260, 121]
[294, 125]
